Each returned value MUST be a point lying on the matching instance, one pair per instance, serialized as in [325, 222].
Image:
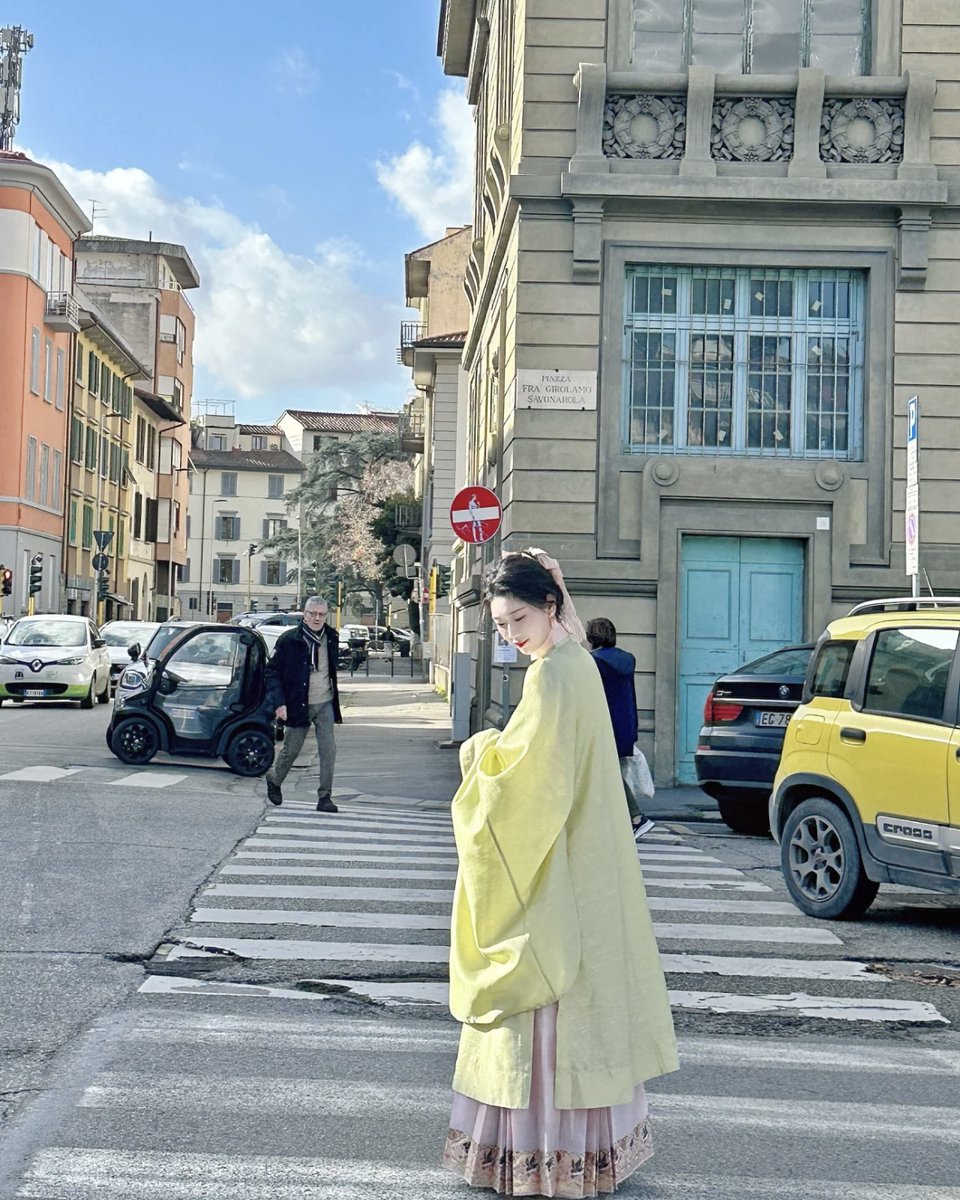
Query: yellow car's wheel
[822, 864]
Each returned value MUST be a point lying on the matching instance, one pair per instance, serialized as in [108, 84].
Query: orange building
[39, 223]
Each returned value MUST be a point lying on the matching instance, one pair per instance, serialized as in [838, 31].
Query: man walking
[302, 690]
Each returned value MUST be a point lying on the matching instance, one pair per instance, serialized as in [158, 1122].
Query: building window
[87, 527]
[178, 394]
[93, 374]
[274, 487]
[58, 392]
[35, 361]
[185, 572]
[226, 570]
[104, 457]
[90, 456]
[229, 529]
[114, 463]
[137, 514]
[727, 360]
[72, 528]
[151, 460]
[125, 473]
[44, 473]
[273, 525]
[31, 473]
[78, 368]
[258, 442]
[228, 483]
[57, 481]
[76, 440]
[48, 370]
[763, 37]
[216, 441]
[140, 449]
[193, 603]
[274, 572]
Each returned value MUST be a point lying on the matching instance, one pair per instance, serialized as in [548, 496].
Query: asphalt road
[201, 998]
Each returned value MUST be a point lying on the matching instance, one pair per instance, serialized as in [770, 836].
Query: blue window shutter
[263, 573]
[283, 573]
[236, 570]
[266, 527]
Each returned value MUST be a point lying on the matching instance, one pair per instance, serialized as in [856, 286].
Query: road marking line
[706, 872]
[147, 779]
[290, 916]
[326, 830]
[336, 845]
[836, 1008]
[747, 933]
[765, 908]
[769, 968]
[701, 885]
[287, 949]
[319, 892]
[337, 872]
[437, 858]
[39, 774]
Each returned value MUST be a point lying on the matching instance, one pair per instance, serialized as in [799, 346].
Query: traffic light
[443, 580]
[309, 579]
[36, 574]
[103, 585]
[7, 576]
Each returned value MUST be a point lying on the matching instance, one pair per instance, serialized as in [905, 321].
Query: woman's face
[528, 628]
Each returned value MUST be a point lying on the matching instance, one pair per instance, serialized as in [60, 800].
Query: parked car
[868, 790]
[744, 721]
[55, 658]
[204, 695]
[121, 637]
[354, 642]
[380, 638]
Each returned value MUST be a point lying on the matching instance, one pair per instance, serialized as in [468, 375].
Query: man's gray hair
[316, 600]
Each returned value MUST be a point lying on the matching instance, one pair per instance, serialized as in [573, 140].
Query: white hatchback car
[55, 658]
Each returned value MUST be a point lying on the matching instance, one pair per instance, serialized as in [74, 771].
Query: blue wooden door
[740, 598]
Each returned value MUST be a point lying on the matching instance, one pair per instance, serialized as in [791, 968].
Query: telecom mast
[14, 43]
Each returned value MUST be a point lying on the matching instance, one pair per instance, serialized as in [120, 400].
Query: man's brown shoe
[326, 806]
[274, 795]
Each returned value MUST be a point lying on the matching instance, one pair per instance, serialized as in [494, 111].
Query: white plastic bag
[637, 777]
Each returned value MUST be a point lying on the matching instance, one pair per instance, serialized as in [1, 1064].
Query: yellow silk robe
[550, 905]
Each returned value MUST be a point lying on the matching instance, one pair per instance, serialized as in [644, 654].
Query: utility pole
[14, 44]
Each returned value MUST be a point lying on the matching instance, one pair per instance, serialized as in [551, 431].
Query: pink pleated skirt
[542, 1150]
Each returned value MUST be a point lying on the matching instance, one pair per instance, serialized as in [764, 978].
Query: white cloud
[268, 322]
[435, 187]
[294, 72]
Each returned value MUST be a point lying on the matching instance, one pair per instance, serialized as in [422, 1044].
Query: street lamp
[276, 604]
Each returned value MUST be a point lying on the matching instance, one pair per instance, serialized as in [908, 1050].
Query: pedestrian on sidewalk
[554, 970]
[617, 669]
[302, 690]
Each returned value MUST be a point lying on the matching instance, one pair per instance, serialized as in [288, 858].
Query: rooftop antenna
[96, 210]
[14, 43]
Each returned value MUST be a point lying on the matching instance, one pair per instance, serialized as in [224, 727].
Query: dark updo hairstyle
[524, 578]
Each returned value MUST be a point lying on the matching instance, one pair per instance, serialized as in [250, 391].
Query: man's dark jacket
[288, 674]
[616, 670]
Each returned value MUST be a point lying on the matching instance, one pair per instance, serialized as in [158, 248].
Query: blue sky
[298, 149]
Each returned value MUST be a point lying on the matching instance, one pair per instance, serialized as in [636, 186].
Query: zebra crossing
[109, 777]
[265, 1084]
[373, 886]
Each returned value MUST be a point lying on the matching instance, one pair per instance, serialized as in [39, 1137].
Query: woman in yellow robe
[554, 971]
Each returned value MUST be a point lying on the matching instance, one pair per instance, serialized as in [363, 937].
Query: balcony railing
[62, 312]
[410, 428]
[410, 332]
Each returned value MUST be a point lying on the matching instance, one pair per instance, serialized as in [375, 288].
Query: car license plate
[775, 720]
[34, 693]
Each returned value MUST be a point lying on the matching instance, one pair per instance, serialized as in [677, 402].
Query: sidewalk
[387, 746]
[387, 749]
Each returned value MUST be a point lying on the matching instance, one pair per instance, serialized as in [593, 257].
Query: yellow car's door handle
[853, 735]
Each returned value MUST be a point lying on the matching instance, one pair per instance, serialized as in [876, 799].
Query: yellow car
[868, 788]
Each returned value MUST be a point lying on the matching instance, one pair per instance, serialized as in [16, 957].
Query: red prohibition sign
[475, 514]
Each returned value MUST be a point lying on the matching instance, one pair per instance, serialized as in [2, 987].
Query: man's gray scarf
[314, 644]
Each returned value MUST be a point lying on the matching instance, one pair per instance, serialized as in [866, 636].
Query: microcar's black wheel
[250, 753]
[135, 741]
[744, 814]
[822, 864]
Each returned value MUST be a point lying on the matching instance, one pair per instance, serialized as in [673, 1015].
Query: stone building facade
[715, 252]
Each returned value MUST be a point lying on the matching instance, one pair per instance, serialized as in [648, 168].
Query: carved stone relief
[752, 129]
[862, 130]
[644, 126]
